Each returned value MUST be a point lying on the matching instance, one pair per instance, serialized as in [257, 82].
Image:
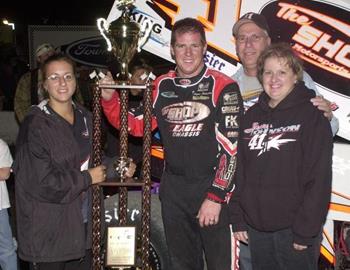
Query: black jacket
[285, 167]
[50, 187]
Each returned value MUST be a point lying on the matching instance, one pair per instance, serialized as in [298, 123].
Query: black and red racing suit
[198, 119]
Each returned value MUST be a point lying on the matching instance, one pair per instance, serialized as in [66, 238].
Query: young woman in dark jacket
[54, 177]
[284, 170]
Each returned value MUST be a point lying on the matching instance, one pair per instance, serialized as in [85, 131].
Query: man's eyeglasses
[251, 39]
[55, 78]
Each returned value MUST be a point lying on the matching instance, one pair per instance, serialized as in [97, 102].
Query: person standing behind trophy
[140, 75]
[198, 113]
[53, 175]
[30, 90]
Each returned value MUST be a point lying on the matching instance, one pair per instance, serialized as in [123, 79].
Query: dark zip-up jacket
[285, 167]
[51, 188]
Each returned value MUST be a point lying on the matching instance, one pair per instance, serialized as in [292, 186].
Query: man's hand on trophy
[107, 93]
[125, 167]
[117, 167]
[131, 169]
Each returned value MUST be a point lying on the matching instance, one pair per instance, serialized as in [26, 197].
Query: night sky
[55, 12]
[59, 12]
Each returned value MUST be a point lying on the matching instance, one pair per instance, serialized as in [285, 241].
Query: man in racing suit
[198, 111]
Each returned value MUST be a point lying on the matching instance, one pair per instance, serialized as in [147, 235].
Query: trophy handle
[103, 26]
[145, 31]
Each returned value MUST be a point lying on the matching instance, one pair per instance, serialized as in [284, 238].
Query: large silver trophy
[124, 37]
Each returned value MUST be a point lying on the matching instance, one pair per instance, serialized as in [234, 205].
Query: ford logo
[89, 51]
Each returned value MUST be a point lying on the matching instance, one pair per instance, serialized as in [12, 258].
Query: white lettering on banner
[322, 39]
[214, 62]
[218, 18]
[317, 40]
[327, 64]
[111, 215]
[140, 18]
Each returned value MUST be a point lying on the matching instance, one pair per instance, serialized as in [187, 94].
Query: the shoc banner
[318, 30]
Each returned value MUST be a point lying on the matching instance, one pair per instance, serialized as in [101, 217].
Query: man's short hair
[251, 17]
[187, 25]
[43, 48]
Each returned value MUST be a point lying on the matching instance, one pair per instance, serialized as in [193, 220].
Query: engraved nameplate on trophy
[121, 246]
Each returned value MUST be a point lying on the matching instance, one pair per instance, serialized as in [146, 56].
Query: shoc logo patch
[185, 112]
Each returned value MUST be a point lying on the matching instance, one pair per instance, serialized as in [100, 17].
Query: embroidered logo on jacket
[169, 94]
[264, 138]
[185, 112]
[230, 99]
[187, 117]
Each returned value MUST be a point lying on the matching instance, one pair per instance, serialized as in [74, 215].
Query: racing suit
[198, 119]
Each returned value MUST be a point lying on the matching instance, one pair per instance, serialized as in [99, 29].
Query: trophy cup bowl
[124, 38]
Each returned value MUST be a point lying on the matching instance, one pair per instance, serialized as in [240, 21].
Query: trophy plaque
[121, 246]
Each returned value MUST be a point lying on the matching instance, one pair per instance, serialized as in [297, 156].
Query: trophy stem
[96, 192]
[123, 192]
[123, 77]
